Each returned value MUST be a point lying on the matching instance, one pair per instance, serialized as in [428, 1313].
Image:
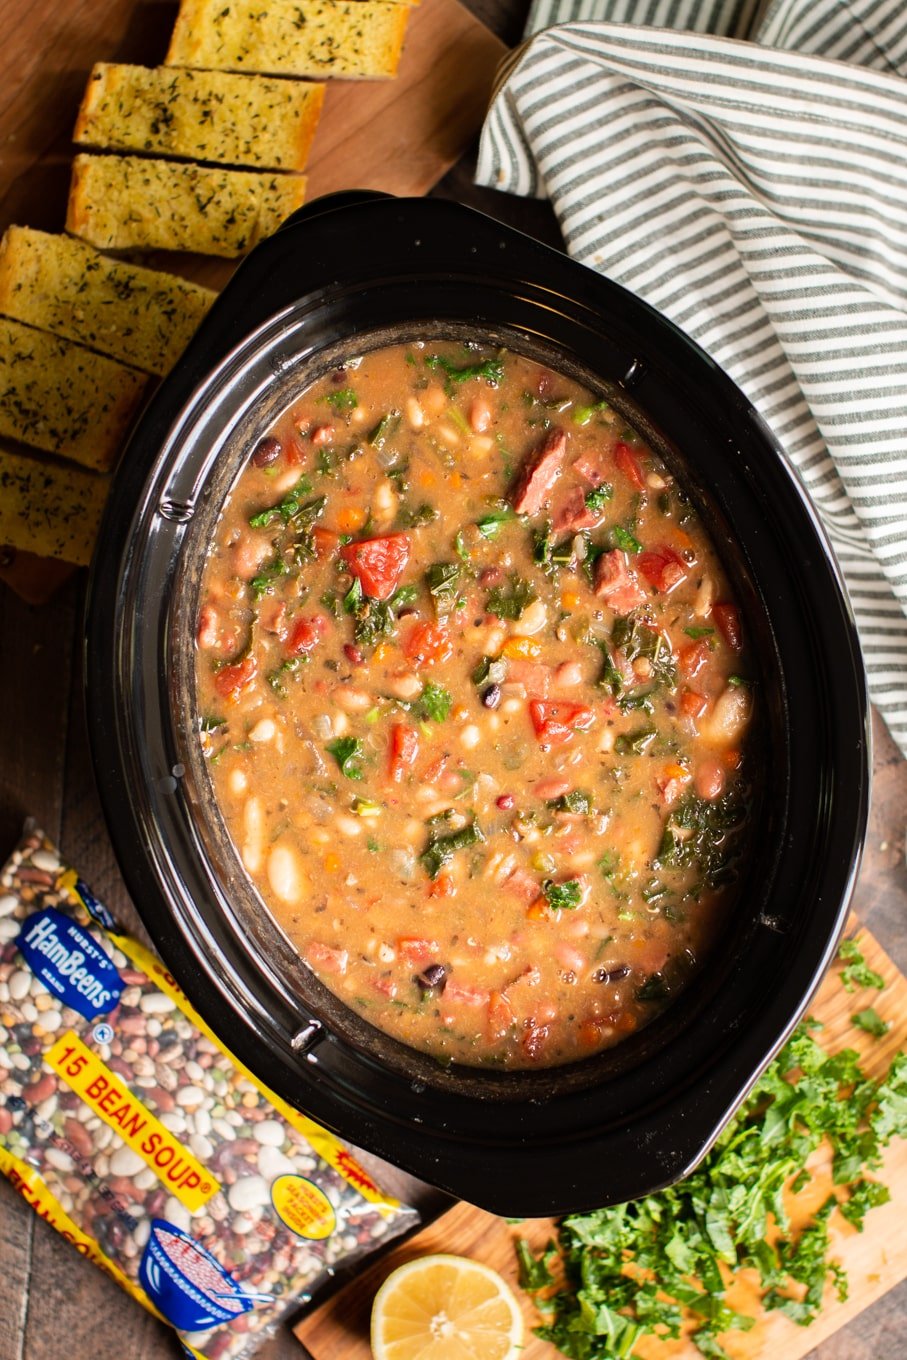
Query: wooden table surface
[53, 1305]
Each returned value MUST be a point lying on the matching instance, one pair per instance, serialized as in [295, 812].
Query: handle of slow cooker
[343, 198]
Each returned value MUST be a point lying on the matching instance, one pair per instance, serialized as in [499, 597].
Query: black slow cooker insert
[343, 275]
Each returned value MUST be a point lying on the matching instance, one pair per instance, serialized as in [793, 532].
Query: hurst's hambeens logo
[70, 963]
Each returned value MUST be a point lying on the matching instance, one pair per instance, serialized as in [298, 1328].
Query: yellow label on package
[303, 1207]
[104, 1092]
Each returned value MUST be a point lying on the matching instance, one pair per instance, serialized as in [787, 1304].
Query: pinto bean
[249, 551]
[709, 778]
[208, 627]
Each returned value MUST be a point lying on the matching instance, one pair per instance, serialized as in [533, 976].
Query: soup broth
[474, 698]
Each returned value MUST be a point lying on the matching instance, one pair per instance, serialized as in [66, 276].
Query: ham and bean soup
[474, 695]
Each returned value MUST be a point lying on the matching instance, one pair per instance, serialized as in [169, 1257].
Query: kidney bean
[552, 786]
[79, 1136]
[40, 1089]
[266, 452]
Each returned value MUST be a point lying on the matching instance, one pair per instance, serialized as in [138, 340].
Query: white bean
[270, 1132]
[264, 730]
[448, 435]
[273, 1163]
[254, 826]
[434, 401]
[349, 826]
[404, 685]
[351, 700]
[415, 416]
[533, 618]
[384, 501]
[125, 1162]
[705, 596]
[285, 874]
[44, 859]
[470, 737]
[728, 718]
[569, 673]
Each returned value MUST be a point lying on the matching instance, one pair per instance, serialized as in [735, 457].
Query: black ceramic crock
[344, 274]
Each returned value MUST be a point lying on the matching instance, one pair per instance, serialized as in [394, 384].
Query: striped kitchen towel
[756, 193]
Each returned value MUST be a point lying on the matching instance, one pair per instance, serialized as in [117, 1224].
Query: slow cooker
[345, 274]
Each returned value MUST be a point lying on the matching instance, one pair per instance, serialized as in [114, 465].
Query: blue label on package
[96, 909]
[187, 1284]
[70, 963]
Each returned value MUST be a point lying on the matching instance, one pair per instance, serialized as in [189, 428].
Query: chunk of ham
[616, 582]
[461, 995]
[672, 783]
[575, 514]
[539, 473]
[569, 956]
[522, 884]
[324, 959]
[272, 616]
[593, 467]
[532, 675]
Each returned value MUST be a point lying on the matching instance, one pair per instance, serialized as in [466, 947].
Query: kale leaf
[856, 972]
[440, 849]
[347, 751]
[510, 602]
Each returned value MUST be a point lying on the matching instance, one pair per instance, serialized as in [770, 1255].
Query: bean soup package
[129, 1127]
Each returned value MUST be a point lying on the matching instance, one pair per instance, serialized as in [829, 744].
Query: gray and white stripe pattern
[757, 195]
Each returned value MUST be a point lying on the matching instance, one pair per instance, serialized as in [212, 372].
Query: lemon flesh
[445, 1308]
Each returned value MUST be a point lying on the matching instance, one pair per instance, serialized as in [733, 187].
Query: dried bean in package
[126, 1124]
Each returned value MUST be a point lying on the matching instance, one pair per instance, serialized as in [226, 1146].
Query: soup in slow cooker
[474, 697]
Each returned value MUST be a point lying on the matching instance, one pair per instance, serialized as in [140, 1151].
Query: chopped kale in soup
[474, 695]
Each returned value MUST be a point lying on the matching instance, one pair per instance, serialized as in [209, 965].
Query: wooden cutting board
[875, 1260]
[400, 136]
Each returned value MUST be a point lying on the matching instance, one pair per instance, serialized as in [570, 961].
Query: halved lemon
[445, 1308]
